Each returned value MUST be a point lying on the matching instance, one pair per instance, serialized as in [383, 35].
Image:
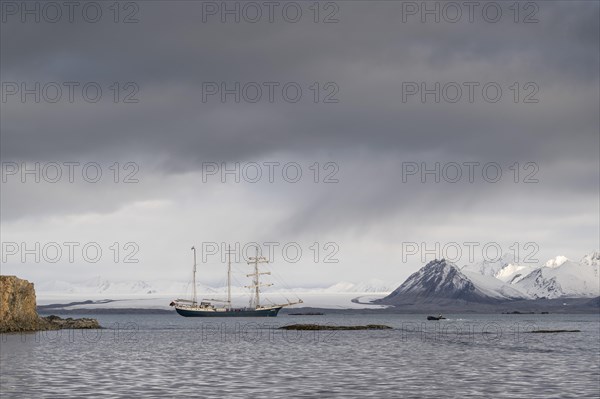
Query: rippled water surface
[170, 356]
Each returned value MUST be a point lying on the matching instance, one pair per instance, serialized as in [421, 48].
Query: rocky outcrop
[439, 282]
[18, 311]
[17, 305]
[56, 323]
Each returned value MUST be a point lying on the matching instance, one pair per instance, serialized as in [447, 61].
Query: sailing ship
[208, 308]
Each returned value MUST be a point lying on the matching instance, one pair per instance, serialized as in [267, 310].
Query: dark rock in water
[312, 327]
[517, 312]
[18, 311]
[307, 314]
[435, 318]
[56, 323]
[552, 331]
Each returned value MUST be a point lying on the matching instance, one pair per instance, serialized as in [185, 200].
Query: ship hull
[230, 313]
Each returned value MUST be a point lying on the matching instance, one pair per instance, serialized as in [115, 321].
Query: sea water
[169, 356]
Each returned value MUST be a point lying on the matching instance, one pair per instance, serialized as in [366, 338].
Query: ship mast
[229, 277]
[194, 299]
[256, 260]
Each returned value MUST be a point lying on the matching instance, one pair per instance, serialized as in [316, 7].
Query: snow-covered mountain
[557, 261]
[561, 277]
[496, 288]
[99, 286]
[440, 280]
[593, 260]
[489, 268]
[484, 281]
[558, 277]
[505, 269]
[512, 273]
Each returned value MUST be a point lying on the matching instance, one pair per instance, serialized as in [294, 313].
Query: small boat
[207, 308]
[440, 317]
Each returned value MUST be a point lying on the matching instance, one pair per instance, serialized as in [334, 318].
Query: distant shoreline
[517, 308]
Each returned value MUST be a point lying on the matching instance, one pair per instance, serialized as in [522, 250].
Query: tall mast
[256, 286]
[194, 276]
[256, 283]
[229, 276]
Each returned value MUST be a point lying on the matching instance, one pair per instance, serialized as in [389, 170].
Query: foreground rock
[17, 305]
[312, 327]
[18, 311]
[57, 323]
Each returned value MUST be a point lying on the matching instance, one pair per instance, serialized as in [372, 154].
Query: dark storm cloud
[170, 52]
[368, 54]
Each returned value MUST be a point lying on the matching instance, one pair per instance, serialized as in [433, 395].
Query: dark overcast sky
[368, 135]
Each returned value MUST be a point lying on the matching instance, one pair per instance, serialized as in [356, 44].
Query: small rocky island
[18, 311]
[313, 327]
